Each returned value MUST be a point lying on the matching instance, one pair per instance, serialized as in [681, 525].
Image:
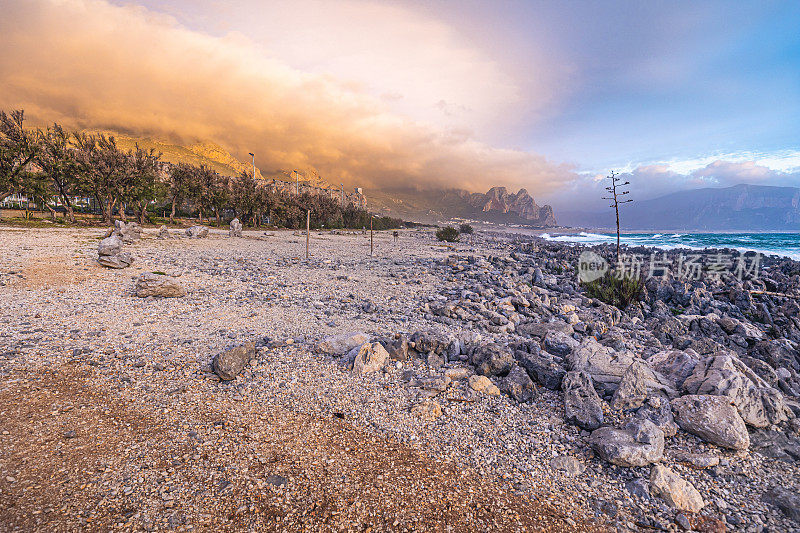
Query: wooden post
[308, 229]
[370, 235]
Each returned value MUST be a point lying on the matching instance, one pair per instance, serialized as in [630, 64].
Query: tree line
[54, 163]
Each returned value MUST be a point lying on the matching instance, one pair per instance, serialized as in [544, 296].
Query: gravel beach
[462, 406]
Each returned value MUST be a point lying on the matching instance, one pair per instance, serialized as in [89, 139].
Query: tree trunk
[70, 213]
[172, 213]
[142, 213]
[123, 214]
[216, 215]
[52, 211]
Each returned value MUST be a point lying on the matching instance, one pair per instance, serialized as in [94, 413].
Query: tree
[18, 148]
[57, 162]
[142, 182]
[103, 168]
[615, 194]
[180, 186]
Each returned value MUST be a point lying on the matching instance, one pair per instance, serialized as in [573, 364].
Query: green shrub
[448, 233]
[615, 290]
[466, 229]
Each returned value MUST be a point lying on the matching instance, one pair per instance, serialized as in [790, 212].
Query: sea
[782, 244]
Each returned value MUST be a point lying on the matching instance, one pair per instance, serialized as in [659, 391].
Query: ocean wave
[785, 245]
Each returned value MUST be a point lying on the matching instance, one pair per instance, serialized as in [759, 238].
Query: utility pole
[296, 183]
[342, 186]
[370, 234]
[308, 229]
[615, 194]
[254, 164]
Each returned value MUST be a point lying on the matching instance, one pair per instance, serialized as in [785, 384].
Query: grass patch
[614, 290]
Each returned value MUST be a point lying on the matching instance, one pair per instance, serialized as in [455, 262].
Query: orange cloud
[90, 64]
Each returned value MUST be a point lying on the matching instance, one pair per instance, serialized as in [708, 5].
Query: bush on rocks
[447, 234]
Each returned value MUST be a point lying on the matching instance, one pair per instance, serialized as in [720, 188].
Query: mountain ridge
[742, 207]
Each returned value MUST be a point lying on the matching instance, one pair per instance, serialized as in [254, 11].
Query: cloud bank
[654, 180]
[91, 64]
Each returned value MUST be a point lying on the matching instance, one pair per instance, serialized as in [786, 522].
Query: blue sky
[543, 95]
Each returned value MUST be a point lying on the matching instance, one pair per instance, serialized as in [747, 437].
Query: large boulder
[342, 343]
[152, 284]
[712, 418]
[726, 375]
[673, 489]
[230, 363]
[120, 260]
[786, 500]
[110, 246]
[674, 365]
[483, 384]
[559, 343]
[582, 406]
[128, 233]
[197, 232]
[492, 360]
[603, 363]
[371, 357]
[658, 411]
[163, 233]
[632, 390]
[235, 229]
[518, 385]
[639, 443]
[542, 367]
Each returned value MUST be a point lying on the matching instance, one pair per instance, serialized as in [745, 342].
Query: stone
[397, 348]
[235, 229]
[457, 373]
[342, 343]
[713, 419]
[230, 363]
[632, 390]
[197, 232]
[758, 404]
[658, 411]
[696, 460]
[128, 233]
[582, 406]
[110, 246]
[371, 357]
[121, 260]
[432, 383]
[673, 489]
[788, 501]
[163, 233]
[151, 284]
[568, 465]
[639, 443]
[492, 360]
[428, 410]
[542, 367]
[484, 385]
[518, 385]
[559, 343]
[638, 487]
[603, 363]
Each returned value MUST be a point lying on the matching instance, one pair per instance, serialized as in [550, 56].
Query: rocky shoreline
[678, 413]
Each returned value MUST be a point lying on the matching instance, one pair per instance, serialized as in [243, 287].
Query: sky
[550, 96]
